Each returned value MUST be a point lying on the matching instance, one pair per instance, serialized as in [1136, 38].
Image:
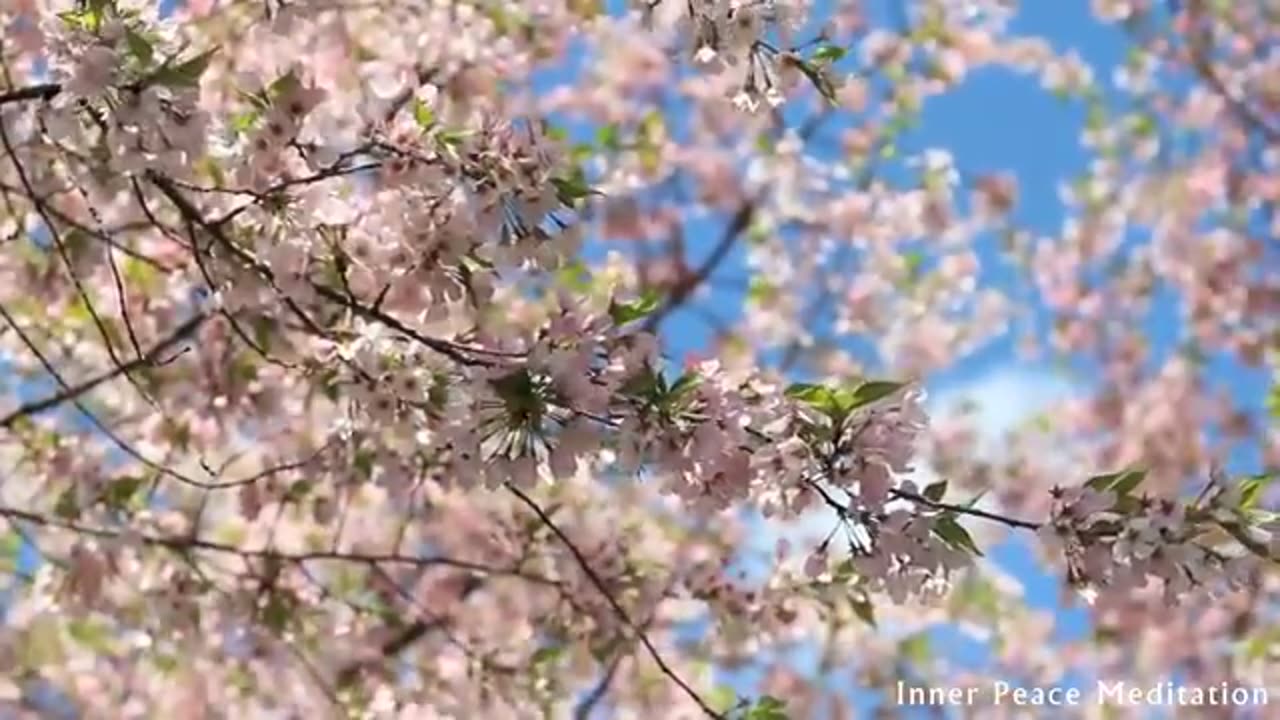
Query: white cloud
[1003, 399]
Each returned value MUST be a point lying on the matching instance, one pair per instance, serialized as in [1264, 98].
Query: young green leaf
[954, 534]
[767, 708]
[936, 491]
[139, 46]
[1128, 481]
[425, 118]
[1251, 489]
[185, 74]
[1121, 483]
[829, 53]
[121, 491]
[625, 312]
[816, 395]
[865, 611]
[871, 391]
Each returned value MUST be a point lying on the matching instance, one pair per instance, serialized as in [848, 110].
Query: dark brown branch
[402, 640]
[617, 608]
[687, 286]
[458, 353]
[964, 510]
[185, 544]
[461, 354]
[738, 224]
[147, 359]
[598, 693]
[45, 91]
[1199, 46]
[61, 247]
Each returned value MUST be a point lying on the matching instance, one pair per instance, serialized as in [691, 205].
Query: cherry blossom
[344, 379]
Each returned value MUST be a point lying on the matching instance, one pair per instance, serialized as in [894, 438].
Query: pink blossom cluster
[1121, 541]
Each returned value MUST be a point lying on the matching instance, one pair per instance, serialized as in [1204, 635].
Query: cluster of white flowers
[1120, 542]
[755, 41]
[111, 76]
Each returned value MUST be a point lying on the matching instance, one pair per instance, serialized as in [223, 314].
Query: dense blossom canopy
[338, 383]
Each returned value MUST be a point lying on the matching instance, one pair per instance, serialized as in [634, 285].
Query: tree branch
[150, 358]
[398, 643]
[44, 91]
[618, 610]
[686, 287]
[184, 543]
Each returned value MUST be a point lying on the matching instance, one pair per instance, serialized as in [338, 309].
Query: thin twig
[147, 359]
[618, 610]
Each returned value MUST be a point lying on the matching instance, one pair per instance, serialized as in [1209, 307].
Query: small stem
[961, 509]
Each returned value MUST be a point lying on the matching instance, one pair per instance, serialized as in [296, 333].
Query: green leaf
[41, 642]
[121, 491]
[686, 384]
[281, 86]
[913, 260]
[954, 534]
[608, 138]
[625, 312]
[722, 698]
[575, 276]
[1121, 483]
[298, 490]
[817, 396]
[67, 507]
[1144, 125]
[88, 20]
[424, 116]
[10, 548]
[573, 188]
[1258, 646]
[767, 708]
[869, 392]
[546, 655]
[838, 403]
[186, 74]
[975, 595]
[865, 611]
[279, 611]
[936, 491]
[829, 53]
[89, 634]
[582, 152]
[139, 46]
[761, 290]
[1128, 482]
[818, 78]
[166, 664]
[915, 648]
[1251, 489]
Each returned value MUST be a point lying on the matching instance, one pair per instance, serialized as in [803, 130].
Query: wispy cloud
[1003, 399]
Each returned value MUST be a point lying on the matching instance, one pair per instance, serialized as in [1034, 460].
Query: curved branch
[148, 359]
[617, 608]
[687, 286]
[184, 544]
